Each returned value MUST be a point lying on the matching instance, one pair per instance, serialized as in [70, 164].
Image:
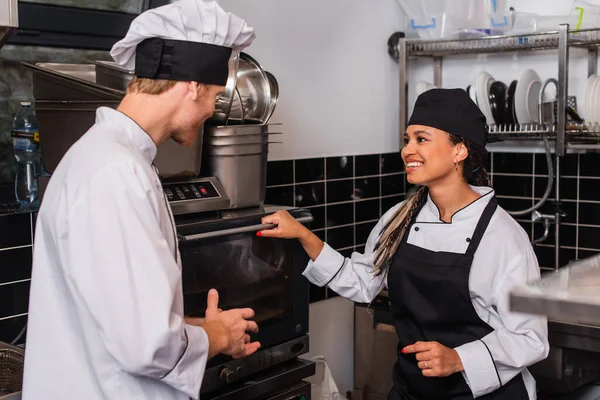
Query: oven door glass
[247, 272]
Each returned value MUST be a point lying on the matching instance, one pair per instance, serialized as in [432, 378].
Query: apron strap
[482, 225]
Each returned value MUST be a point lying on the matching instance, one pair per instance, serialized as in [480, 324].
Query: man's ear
[194, 90]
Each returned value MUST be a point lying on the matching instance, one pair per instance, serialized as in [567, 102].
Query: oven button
[227, 375]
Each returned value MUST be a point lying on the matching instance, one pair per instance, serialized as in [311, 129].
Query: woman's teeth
[414, 164]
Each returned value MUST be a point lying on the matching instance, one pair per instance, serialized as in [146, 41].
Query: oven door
[264, 274]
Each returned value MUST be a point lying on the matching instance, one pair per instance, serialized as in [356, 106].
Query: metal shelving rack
[564, 138]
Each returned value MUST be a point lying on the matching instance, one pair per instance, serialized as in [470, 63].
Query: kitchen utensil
[510, 117]
[473, 92]
[236, 114]
[224, 101]
[497, 99]
[244, 176]
[484, 83]
[254, 89]
[236, 149]
[274, 86]
[526, 97]
[238, 139]
[112, 75]
[237, 130]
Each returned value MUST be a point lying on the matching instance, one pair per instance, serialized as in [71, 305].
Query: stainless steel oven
[223, 252]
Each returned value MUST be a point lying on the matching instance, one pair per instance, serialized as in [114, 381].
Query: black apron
[429, 293]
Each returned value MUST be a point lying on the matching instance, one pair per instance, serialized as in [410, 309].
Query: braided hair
[474, 173]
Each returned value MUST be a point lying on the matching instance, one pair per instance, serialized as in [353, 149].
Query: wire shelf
[587, 133]
[492, 44]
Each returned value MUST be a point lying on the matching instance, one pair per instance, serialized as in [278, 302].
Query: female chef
[449, 256]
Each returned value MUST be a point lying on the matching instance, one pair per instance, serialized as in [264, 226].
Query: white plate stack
[592, 100]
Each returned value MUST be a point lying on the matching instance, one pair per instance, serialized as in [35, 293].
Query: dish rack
[561, 137]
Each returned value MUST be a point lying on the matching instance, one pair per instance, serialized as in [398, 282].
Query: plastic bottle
[27, 155]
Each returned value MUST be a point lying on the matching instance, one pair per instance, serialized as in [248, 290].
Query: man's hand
[435, 360]
[236, 327]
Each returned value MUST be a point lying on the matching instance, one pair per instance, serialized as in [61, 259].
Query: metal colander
[11, 371]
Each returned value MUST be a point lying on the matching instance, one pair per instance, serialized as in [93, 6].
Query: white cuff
[325, 267]
[187, 374]
[480, 370]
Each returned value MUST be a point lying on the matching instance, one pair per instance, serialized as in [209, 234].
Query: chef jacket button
[468, 239]
[416, 229]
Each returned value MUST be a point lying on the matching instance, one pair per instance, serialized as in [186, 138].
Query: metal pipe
[563, 88]
[546, 233]
[548, 187]
[592, 61]
[437, 71]
[402, 74]
[557, 217]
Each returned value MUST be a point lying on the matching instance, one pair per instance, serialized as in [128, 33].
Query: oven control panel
[196, 195]
[190, 191]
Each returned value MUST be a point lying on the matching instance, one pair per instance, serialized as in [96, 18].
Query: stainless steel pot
[238, 130]
[238, 139]
[236, 149]
[244, 177]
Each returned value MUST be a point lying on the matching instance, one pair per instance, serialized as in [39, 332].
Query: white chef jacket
[504, 259]
[106, 304]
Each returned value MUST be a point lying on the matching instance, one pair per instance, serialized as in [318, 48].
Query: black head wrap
[452, 111]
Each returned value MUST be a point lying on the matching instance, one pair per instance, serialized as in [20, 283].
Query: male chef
[106, 309]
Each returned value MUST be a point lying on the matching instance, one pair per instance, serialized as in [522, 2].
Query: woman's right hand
[287, 226]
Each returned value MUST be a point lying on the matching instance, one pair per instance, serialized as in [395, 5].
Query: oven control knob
[239, 371]
[227, 375]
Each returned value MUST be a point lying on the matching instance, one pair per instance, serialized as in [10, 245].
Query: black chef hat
[452, 111]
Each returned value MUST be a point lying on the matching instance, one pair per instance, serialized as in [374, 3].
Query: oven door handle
[235, 231]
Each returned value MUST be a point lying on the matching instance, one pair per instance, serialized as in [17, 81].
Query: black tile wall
[340, 214]
[367, 188]
[309, 170]
[513, 175]
[15, 230]
[283, 195]
[340, 167]
[338, 191]
[367, 210]
[280, 173]
[512, 163]
[15, 264]
[366, 165]
[15, 272]
[15, 298]
[391, 162]
[10, 328]
[340, 238]
[310, 194]
[346, 195]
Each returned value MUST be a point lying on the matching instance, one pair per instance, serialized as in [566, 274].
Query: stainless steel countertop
[570, 295]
